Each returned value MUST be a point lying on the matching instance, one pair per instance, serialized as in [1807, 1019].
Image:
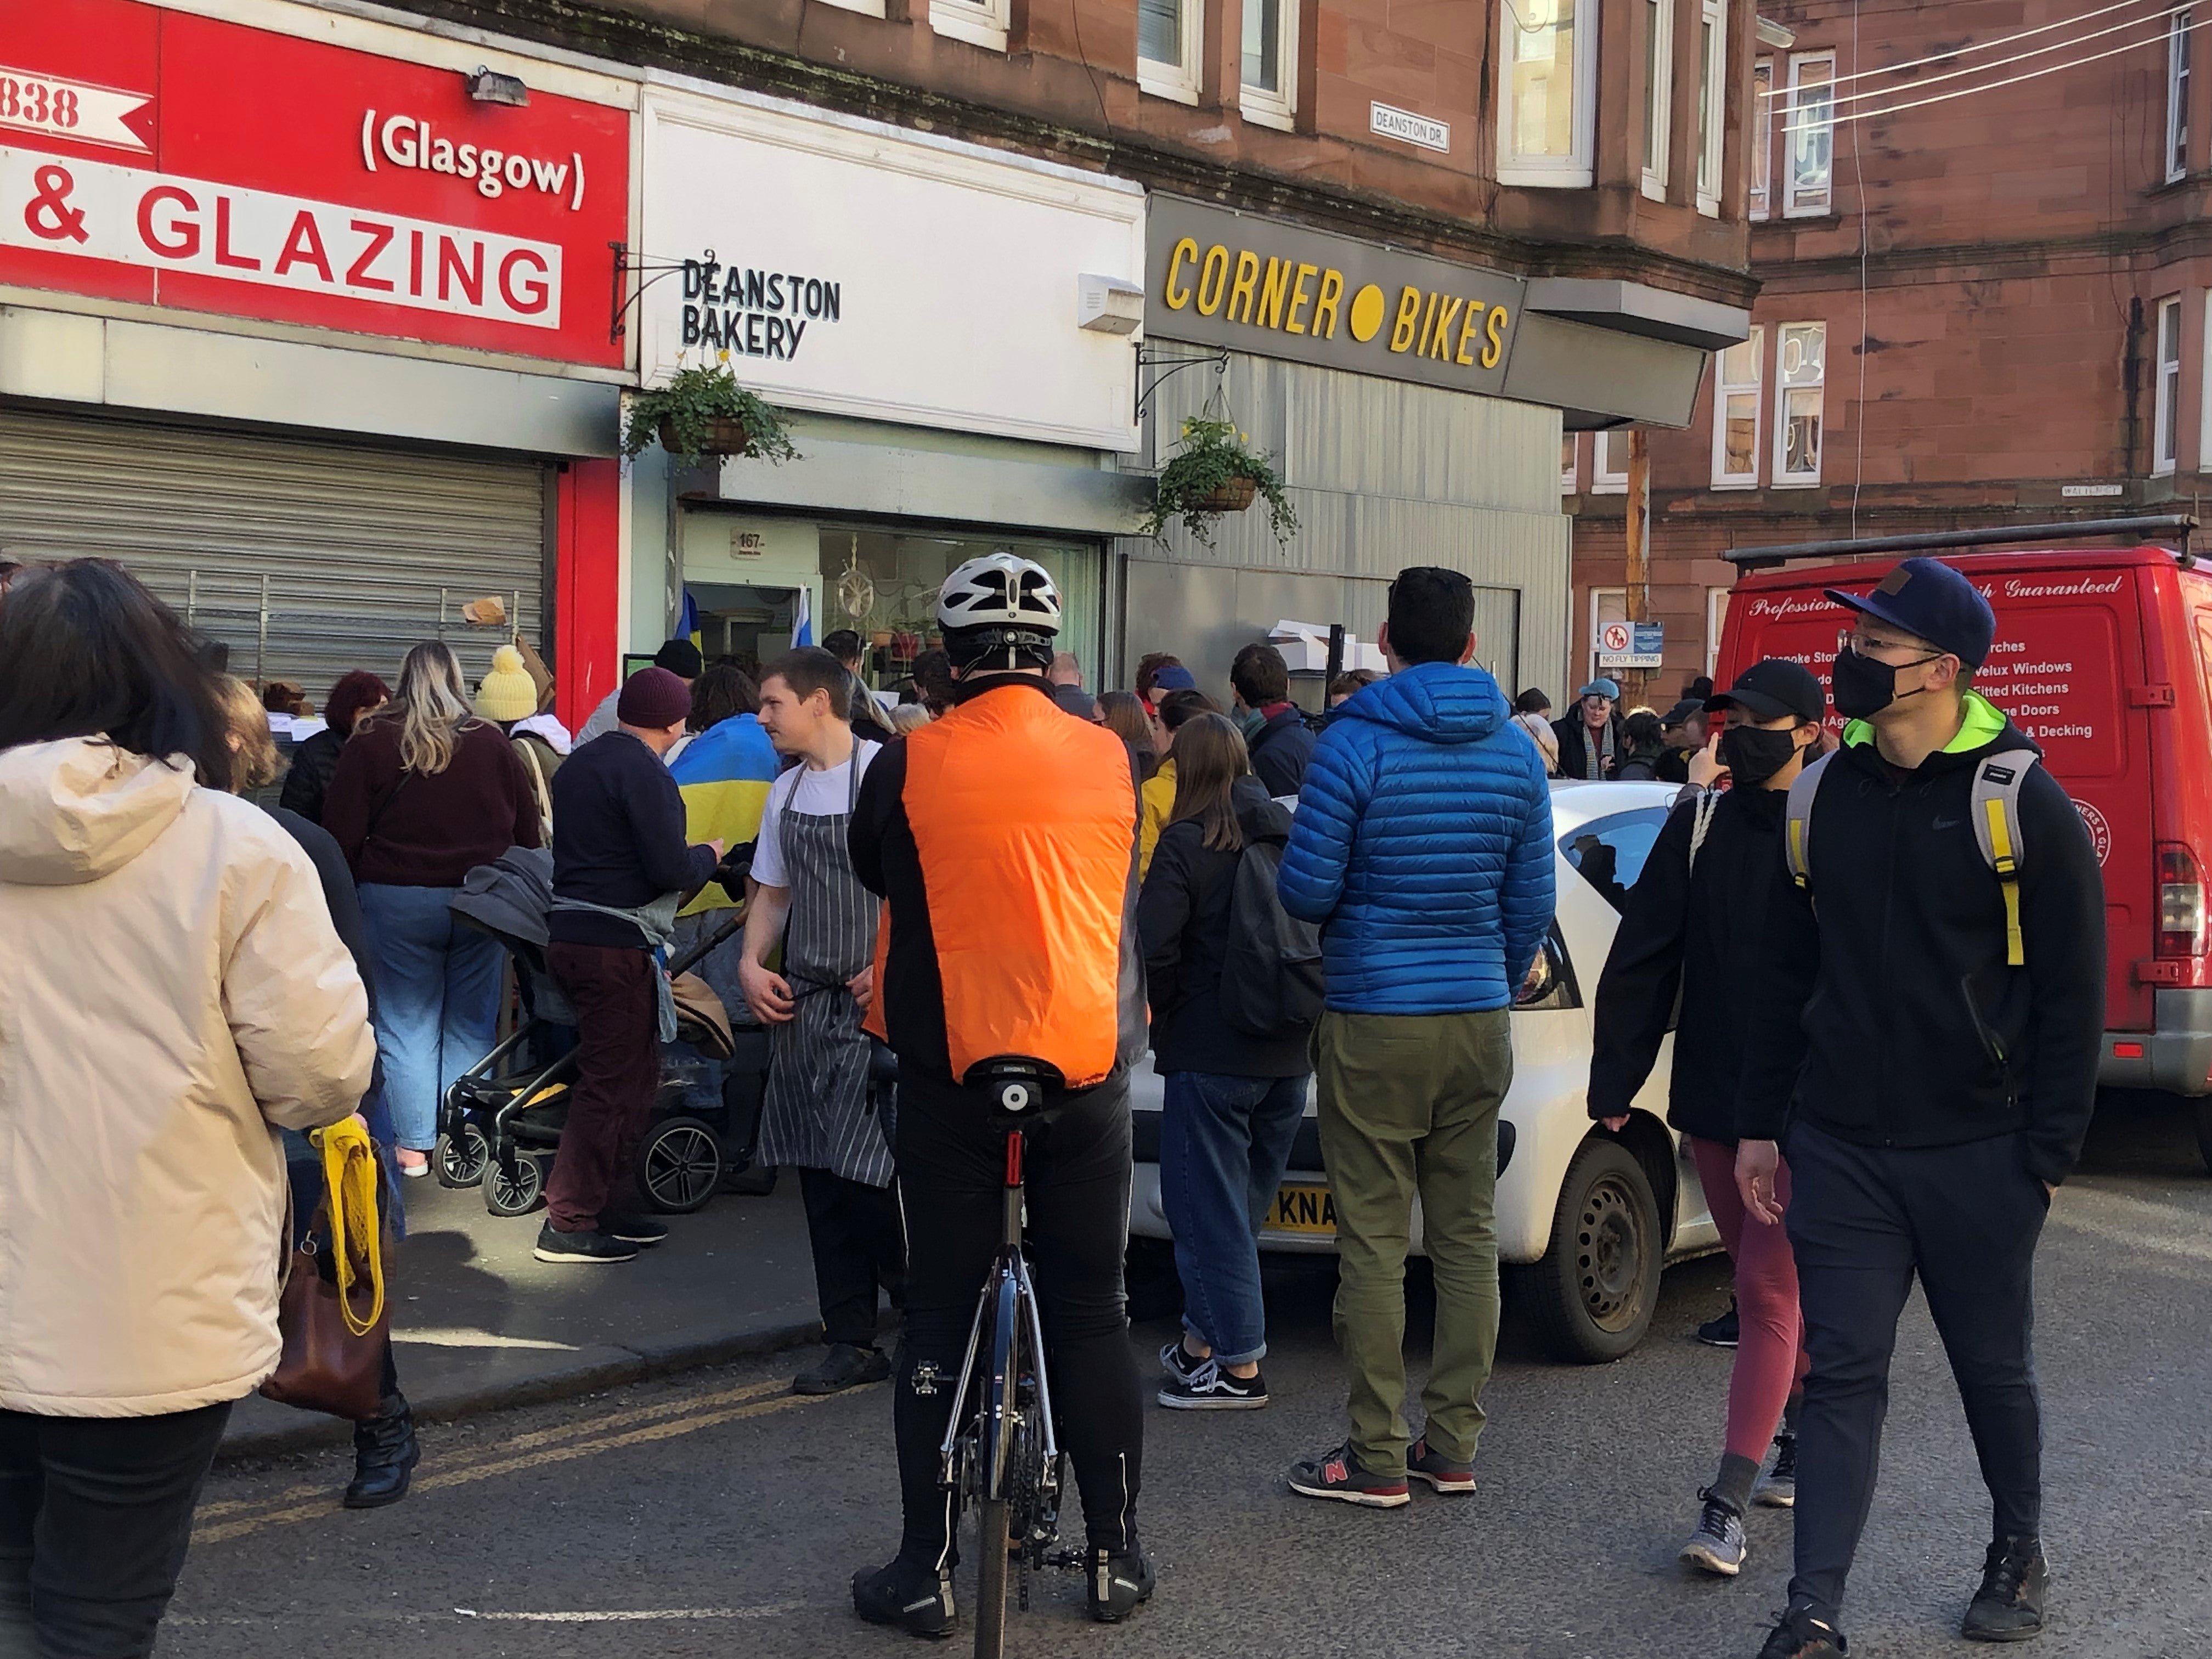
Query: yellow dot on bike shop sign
[1366, 314]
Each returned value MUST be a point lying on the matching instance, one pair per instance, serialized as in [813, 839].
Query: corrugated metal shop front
[306, 558]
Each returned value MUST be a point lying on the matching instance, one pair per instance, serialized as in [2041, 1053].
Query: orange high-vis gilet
[1024, 817]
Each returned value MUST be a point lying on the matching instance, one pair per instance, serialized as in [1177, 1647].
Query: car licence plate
[1302, 1210]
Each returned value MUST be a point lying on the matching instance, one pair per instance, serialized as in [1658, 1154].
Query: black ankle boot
[385, 1454]
[2008, 1606]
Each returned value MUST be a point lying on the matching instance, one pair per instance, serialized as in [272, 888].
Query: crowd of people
[998, 861]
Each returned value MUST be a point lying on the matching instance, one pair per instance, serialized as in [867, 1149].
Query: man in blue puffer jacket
[1423, 846]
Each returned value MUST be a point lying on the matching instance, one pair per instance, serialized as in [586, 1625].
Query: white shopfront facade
[916, 306]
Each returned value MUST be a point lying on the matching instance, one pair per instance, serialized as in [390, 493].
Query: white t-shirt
[810, 794]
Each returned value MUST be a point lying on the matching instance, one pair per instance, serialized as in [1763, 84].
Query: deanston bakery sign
[1218, 277]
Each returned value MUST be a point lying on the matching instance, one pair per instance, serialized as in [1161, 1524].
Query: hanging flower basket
[1211, 472]
[703, 410]
[1232, 497]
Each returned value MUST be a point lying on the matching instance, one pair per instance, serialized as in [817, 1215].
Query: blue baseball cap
[1174, 677]
[1931, 601]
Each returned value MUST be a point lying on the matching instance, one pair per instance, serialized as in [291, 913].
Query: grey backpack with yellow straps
[1995, 813]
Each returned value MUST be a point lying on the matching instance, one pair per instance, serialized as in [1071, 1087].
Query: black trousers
[95, 1513]
[951, 1163]
[860, 1245]
[1862, 1221]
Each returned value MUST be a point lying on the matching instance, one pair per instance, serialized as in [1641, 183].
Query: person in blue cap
[1928, 1010]
[1592, 738]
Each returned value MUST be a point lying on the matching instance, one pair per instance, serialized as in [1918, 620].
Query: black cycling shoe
[916, 1599]
[1799, 1635]
[1117, 1585]
[2008, 1606]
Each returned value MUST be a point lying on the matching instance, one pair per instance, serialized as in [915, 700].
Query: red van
[2104, 658]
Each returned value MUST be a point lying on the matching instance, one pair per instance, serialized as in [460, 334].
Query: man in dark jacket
[1925, 1044]
[620, 869]
[1422, 849]
[1594, 736]
[1274, 731]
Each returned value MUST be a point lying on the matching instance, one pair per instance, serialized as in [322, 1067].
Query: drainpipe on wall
[2130, 379]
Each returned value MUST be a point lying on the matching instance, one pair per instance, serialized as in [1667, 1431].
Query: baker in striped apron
[818, 1118]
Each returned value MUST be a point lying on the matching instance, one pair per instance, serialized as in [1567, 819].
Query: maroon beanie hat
[654, 699]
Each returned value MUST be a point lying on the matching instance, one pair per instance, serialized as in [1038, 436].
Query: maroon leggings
[1770, 1356]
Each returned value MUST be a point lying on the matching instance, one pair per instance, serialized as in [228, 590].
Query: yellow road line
[538, 1437]
[486, 1469]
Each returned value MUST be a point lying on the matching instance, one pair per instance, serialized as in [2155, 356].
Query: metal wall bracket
[1171, 366]
[653, 267]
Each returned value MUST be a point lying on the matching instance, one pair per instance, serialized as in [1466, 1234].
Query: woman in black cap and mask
[1689, 939]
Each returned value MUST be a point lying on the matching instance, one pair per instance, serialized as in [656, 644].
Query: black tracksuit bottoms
[951, 1165]
[859, 1247]
[1862, 1221]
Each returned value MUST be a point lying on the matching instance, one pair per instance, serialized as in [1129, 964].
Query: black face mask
[1753, 755]
[1862, 687]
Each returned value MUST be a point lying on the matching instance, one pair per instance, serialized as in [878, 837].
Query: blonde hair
[254, 761]
[909, 717]
[432, 708]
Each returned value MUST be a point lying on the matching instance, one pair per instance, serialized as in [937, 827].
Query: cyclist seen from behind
[1003, 838]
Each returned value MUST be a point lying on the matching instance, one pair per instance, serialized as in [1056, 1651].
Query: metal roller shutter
[306, 558]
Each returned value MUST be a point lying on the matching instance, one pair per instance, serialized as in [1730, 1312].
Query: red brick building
[1978, 302]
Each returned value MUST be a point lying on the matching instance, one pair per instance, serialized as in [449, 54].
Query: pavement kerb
[445, 1406]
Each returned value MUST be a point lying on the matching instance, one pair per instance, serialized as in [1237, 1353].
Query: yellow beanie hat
[508, 693]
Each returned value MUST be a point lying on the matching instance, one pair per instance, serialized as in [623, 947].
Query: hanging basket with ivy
[1213, 472]
[703, 410]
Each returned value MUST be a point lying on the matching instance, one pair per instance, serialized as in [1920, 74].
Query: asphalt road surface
[718, 1514]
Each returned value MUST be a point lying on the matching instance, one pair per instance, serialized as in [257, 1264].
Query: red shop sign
[157, 156]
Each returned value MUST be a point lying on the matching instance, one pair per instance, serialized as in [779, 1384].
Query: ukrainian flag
[724, 774]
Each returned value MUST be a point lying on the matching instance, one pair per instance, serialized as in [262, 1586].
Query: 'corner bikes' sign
[161, 157]
[1281, 289]
[854, 269]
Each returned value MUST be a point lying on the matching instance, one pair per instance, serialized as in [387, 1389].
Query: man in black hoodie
[1927, 1055]
[1275, 732]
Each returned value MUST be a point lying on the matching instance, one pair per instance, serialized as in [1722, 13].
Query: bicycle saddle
[1015, 1084]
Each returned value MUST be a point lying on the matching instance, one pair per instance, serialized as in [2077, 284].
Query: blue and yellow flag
[724, 774]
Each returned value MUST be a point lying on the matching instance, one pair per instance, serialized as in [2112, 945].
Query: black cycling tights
[951, 1164]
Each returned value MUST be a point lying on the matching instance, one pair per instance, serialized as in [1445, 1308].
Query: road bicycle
[1001, 1453]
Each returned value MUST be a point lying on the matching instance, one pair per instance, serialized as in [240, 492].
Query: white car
[1587, 1218]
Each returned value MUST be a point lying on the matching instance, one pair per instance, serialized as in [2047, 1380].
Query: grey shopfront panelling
[1383, 474]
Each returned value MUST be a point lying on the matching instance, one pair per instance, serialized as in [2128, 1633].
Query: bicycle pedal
[1068, 1560]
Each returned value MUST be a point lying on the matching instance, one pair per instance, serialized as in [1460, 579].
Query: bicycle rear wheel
[991, 1582]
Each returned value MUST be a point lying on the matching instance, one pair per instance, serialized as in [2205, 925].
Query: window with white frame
[1716, 601]
[1170, 45]
[1609, 464]
[1808, 131]
[1268, 83]
[2177, 96]
[2204, 396]
[1606, 605]
[1712, 100]
[1801, 366]
[2168, 411]
[1760, 128]
[1571, 459]
[978, 23]
[1658, 94]
[1547, 92]
[1736, 412]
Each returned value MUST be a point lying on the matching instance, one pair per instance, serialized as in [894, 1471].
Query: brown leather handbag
[326, 1367]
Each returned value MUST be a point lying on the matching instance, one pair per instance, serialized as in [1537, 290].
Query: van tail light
[2181, 919]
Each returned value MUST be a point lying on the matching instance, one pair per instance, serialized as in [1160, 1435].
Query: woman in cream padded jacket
[172, 992]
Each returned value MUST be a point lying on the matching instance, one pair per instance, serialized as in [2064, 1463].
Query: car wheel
[2203, 1109]
[1154, 1289]
[1592, 1296]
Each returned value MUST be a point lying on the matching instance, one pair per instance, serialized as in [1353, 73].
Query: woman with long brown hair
[1122, 712]
[424, 792]
[1233, 1100]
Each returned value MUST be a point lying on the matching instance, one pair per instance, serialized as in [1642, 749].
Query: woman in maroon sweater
[424, 792]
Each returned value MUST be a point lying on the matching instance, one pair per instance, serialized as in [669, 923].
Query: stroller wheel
[680, 1164]
[460, 1161]
[517, 1192]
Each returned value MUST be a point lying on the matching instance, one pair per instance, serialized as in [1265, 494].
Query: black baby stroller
[500, 1125]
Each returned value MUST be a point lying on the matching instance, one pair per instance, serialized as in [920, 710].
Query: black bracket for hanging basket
[1173, 366]
[653, 267]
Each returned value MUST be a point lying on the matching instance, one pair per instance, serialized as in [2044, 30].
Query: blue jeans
[1224, 1143]
[437, 1001]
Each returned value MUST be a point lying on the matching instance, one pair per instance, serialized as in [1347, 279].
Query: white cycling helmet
[999, 590]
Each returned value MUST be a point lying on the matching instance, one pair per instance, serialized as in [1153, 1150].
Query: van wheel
[1154, 1289]
[2203, 1110]
[1592, 1296]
